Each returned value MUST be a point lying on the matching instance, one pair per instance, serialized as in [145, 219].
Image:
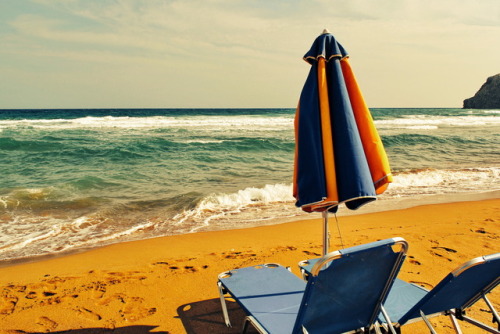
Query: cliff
[487, 97]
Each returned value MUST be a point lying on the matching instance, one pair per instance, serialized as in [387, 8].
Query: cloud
[236, 28]
[239, 45]
[159, 28]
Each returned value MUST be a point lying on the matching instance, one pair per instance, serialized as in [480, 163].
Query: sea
[82, 178]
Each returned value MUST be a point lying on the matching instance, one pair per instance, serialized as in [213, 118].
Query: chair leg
[249, 319]
[460, 315]
[496, 318]
[481, 325]
[388, 320]
[427, 322]
[455, 323]
[223, 304]
[377, 328]
[382, 328]
[245, 325]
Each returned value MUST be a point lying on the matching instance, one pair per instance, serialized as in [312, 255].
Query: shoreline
[167, 284]
[380, 205]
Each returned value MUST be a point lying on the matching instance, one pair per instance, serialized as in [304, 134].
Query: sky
[240, 53]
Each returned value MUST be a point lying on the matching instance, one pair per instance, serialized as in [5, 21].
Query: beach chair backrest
[347, 287]
[461, 288]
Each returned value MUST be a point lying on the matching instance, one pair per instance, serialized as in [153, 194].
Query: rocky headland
[487, 97]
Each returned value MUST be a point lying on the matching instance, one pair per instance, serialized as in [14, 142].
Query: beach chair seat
[458, 291]
[344, 293]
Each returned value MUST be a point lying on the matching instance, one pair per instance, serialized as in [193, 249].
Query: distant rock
[487, 97]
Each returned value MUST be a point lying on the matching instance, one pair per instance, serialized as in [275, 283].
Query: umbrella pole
[326, 234]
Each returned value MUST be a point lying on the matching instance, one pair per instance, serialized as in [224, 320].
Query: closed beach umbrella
[339, 156]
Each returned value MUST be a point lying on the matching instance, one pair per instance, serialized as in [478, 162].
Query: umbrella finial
[325, 31]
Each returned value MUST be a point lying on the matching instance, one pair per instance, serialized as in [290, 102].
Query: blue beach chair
[458, 291]
[344, 293]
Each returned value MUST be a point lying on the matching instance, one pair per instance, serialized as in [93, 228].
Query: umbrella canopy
[339, 156]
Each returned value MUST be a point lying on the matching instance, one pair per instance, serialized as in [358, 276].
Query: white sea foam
[51, 235]
[251, 203]
[3, 201]
[215, 122]
[20, 234]
[102, 237]
[192, 141]
[422, 127]
[217, 206]
[243, 122]
[433, 181]
[491, 111]
[434, 122]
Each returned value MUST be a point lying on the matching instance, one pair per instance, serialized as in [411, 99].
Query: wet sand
[168, 284]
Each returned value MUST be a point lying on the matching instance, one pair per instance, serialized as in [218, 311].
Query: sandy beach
[168, 284]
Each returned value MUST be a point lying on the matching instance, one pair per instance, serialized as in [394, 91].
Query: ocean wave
[247, 122]
[250, 123]
[434, 122]
[26, 233]
[55, 235]
[30, 236]
[217, 206]
[251, 202]
[444, 181]
[20, 114]
[55, 199]
[90, 182]
[104, 176]
[38, 145]
[416, 140]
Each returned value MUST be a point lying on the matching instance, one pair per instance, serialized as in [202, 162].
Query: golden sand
[168, 284]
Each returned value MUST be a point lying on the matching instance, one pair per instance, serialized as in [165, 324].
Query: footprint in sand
[284, 248]
[50, 301]
[31, 295]
[238, 255]
[56, 280]
[8, 303]
[131, 308]
[440, 255]
[164, 265]
[160, 263]
[127, 276]
[87, 314]
[449, 250]
[418, 263]
[18, 288]
[310, 253]
[185, 269]
[176, 266]
[190, 269]
[46, 323]
[134, 310]
[116, 298]
[98, 289]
